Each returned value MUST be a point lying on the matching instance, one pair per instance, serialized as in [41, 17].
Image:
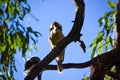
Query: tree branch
[69, 65]
[108, 59]
[100, 64]
[103, 63]
[74, 35]
[118, 25]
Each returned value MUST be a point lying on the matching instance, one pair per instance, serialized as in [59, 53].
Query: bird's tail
[59, 67]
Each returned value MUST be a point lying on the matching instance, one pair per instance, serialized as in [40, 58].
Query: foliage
[106, 37]
[13, 35]
[85, 78]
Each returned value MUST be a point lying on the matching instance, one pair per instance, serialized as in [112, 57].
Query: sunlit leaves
[85, 78]
[108, 77]
[105, 39]
[100, 20]
[97, 43]
[13, 35]
[10, 8]
[111, 4]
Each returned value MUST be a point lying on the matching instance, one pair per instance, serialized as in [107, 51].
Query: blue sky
[62, 11]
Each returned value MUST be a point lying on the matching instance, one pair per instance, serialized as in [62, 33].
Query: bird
[56, 35]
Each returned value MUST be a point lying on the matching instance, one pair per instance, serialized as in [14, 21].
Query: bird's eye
[51, 29]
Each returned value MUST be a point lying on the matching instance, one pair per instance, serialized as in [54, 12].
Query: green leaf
[111, 41]
[13, 35]
[111, 4]
[35, 47]
[99, 37]
[100, 20]
[29, 29]
[1, 13]
[3, 48]
[8, 39]
[85, 78]
[100, 48]
[93, 43]
[11, 8]
[23, 52]
[36, 34]
[0, 3]
[107, 43]
[93, 52]
[106, 16]
[108, 77]
[33, 40]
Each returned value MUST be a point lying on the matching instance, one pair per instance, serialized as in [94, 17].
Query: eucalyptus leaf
[111, 4]
[93, 51]
[100, 20]
[14, 36]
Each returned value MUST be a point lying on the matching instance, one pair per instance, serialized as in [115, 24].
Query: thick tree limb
[118, 24]
[100, 65]
[74, 35]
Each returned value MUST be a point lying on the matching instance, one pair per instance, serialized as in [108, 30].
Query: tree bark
[118, 25]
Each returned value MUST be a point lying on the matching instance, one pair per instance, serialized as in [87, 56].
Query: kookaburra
[56, 35]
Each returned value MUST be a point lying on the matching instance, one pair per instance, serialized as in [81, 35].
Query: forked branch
[74, 35]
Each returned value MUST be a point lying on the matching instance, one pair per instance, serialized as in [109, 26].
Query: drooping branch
[74, 35]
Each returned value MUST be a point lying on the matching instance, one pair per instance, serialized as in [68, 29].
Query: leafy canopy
[106, 37]
[13, 35]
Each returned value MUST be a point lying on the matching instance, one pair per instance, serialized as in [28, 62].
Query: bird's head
[55, 27]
